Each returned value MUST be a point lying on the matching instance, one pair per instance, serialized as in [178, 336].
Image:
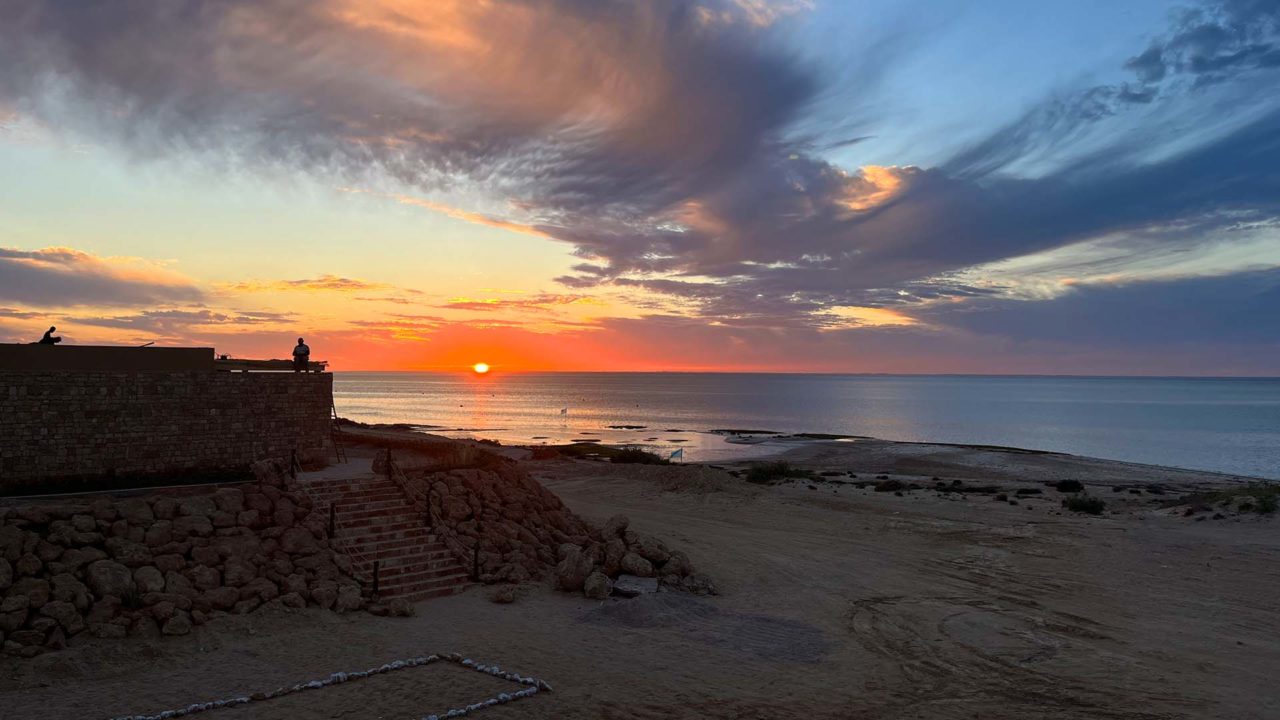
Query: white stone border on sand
[533, 687]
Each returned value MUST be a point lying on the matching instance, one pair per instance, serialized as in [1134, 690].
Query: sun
[480, 368]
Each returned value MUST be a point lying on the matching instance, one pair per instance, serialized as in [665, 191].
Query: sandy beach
[835, 601]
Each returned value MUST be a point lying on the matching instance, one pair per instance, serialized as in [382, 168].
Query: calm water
[1227, 425]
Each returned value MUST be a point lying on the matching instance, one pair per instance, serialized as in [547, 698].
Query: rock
[198, 617]
[258, 501]
[677, 564]
[221, 519]
[107, 631]
[292, 600]
[159, 534]
[47, 551]
[246, 606]
[179, 624]
[136, 511]
[204, 577]
[399, 607]
[197, 506]
[67, 588]
[148, 579]
[192, 525]
[298, 541]
[176, 584]
[6, 574]
[244, 545]
[109, 578]
[614, 549]
[27, 637]
[65, 614]
[633, 564]
[631, 586]
[128, 553]
[598, 586]
[165, 508]
[103, 610]
[651, 549]
[237, 571]
[700, 585]
[28, 564]
[261, 588]
[504, 594]
[37, 590]
[229, 500]
[349, 598]
[163, 610]
[223, 598]
[249, 519]
[169, 563]
[84, 523]
[325, 593]
[573, 569]
[296, 584]
[13, 612]
[206, 556]
[103, 509]
[614, 526]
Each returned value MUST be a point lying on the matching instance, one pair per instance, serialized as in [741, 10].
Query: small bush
[770, 472]
[1068, 486]
[636, 456]
[1266, 505]
[1084, 504]
[889, 486]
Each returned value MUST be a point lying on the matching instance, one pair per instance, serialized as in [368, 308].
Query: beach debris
[532, 687]
[633, 586]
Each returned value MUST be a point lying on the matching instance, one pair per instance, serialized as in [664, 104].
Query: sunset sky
[984, 186]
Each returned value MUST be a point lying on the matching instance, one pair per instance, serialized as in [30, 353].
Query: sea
[1228, 425]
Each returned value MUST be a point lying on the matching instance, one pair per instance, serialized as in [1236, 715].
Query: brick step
[390, 504]
[380, 543]
[398, 523]
[350, 483]
[357, 499]
[395, 576]
[344, 495]
[376, 535]
[395, 512]
[421, 595]
[340, 492]
[400, 556]
[412, 586]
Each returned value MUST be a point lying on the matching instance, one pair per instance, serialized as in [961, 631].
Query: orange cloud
[321, 283]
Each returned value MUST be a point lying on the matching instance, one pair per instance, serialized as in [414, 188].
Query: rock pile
[523, 531]
[163, 563]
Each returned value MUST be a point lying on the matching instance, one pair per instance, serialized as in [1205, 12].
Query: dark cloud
[63, 277]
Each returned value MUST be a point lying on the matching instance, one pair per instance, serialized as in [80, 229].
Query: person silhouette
[49, 338]
[301, 357]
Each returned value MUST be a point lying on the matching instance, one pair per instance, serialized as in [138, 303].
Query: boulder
[261, 588]
[37, 590]
[192, 525]
[229, 500]
[47, 551]
[222, 598]
[325, 593]
[136, 511]
[614, 549]
[148, 579]
[631, 586]
[6, 574]
[66, 615]
[107, 631]
[205, 555]
[245, 607]
[109, 578]
[504, 594]
[349, 598]
[67, 588]
[298, 541]
[204, 577]
[293, 600]
[633, 564]
[165, 508]
[169, 563]
[159, 534]
[13, 612]
[128, 553]
[650, 548]
[598, 586]
[614, 526]
[197, 505]
[28, 564]
[221, 519]
[237, 571]
[179, 624]
[176, 584]
[399, 607]
[163, 610]
[249, 519]
[573, 569]
[84, 523]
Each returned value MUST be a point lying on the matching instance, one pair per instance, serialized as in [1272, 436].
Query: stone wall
[165, 562]
[56, 425]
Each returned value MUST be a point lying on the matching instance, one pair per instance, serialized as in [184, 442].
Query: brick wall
[65, 425]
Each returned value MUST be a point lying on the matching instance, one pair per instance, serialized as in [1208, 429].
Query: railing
[437, 524]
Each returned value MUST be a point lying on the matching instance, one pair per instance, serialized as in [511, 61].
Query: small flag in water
[677, 455]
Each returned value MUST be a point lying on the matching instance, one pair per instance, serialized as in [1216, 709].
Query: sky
[888, 186]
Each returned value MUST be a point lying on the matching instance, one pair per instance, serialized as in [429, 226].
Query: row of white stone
[533, 686]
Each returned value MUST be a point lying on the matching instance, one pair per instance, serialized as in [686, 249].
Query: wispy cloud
[65, 277]
[320, 283]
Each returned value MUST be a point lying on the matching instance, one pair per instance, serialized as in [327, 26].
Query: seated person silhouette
[301, 357]
[49, 338]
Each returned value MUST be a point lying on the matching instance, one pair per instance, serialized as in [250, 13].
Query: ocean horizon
[1219, 424]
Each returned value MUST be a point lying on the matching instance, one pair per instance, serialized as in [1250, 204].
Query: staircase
[375, 522]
